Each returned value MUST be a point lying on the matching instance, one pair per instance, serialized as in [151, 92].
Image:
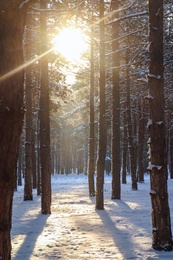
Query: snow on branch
[153, 166]
[23, 3]
[154, 76]
[123, 9]
[160, 123]
[127, 16]
[150, 122]
[149, 97]
[152, 192]
[149, 140]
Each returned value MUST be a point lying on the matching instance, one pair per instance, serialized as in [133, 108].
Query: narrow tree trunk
[161, 225]
[140, 141]
[102, 125]
[130, 132]
[34, 171]
[44, 120]
[11, 112]
[171, 153]
[91, 164]
[116, 164]
[28, 103]
[124, 152]
[19, 169]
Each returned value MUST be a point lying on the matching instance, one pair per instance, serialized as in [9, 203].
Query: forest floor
[75, 230]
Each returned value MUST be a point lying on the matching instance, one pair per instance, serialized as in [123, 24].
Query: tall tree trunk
[91, 164]
[11, 111]
[124, 152]
[161, 225]
[34, 171]
[19, 169]
[102, 125]
[140, 140]
[130, 131]
[28, 103]
[44, 119]
[171, 153]
[116, 164]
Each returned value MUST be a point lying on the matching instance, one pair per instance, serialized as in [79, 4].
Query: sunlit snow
[75, 230]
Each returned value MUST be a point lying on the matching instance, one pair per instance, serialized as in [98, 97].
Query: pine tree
[12, 17]
[44, 119]
[161, 225]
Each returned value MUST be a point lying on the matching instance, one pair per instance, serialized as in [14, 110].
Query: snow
[149, 97]
[23, 3]
[75, 230]
[152, 166]
[154, 76]
[150, 122]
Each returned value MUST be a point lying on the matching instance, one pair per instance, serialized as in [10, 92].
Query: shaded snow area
[75, 230]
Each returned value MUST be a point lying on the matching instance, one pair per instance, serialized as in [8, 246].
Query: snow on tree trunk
[161, 226]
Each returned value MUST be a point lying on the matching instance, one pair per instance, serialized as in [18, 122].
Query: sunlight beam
[23, 66]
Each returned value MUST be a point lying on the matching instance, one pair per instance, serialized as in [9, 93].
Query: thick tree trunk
[116, 164]
[161, 226]
[102, 125]
[11, 112]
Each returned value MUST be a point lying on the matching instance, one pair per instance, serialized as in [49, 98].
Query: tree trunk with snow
[161, 225]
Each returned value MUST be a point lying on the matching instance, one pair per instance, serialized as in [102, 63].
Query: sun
[70, 43]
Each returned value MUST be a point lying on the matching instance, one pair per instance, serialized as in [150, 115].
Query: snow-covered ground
[75, 230]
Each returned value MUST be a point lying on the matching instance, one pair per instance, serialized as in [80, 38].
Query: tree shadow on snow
[27, 224]
[121, 239]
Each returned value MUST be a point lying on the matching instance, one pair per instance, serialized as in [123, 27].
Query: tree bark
[140, 140]
[28, 103]
[44, 119]
[19, 169]
[102, 125]
[171, 153]
[11, 111]
[91, 164]
[124, 152]
[116, 164]
[161, 225]
[132, 154]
